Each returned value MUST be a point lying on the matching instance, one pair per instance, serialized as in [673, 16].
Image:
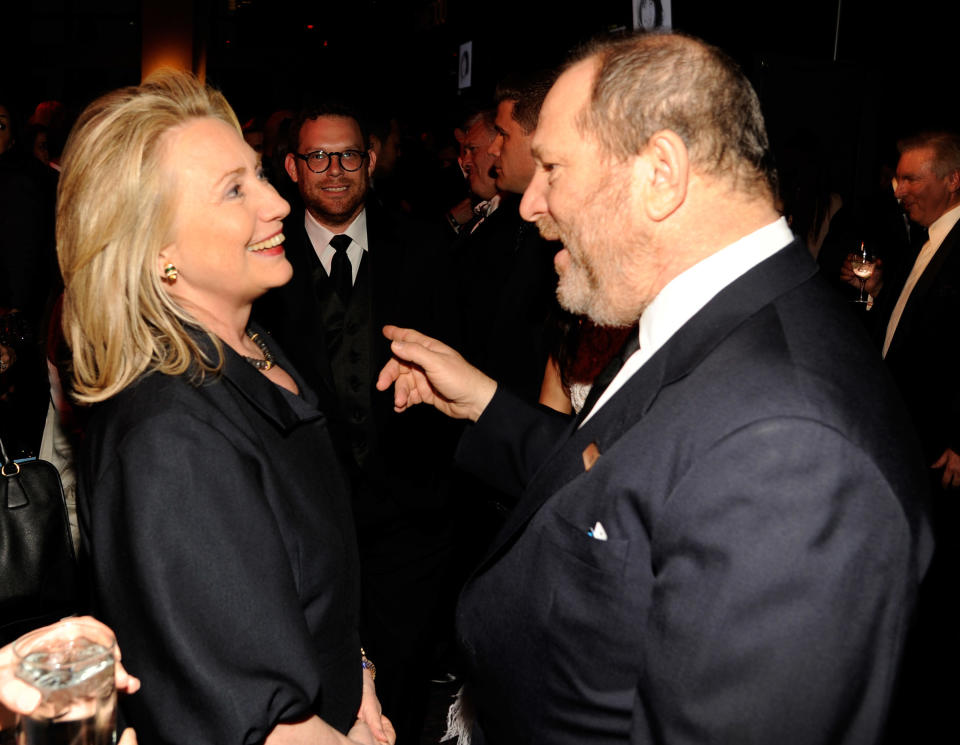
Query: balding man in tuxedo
[726, 545]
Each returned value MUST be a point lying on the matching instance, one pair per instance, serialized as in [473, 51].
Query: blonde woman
[217, 524]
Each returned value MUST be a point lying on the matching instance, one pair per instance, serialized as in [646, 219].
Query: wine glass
[862, 263]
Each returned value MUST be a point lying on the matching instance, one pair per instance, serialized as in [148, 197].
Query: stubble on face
[334, 197]
[598, 277]
[549, 230]
[335, 212]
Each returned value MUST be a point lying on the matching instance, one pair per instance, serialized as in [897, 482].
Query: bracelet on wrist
[366, 664]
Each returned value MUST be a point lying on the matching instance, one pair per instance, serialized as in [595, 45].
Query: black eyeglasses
[319, 161]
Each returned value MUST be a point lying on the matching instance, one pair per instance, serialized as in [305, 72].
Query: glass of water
[71, 663]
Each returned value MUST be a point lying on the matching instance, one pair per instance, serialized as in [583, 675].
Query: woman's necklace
[267, 362]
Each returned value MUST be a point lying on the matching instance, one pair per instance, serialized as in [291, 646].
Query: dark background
[851, 89]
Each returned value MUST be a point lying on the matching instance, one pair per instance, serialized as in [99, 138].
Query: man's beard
[585, 286]
[344, 212]
[548, 228]
[578, 289]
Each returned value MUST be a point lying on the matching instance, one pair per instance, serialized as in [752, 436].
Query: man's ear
[290, 165]
[663, 172]
[459, 135]
[373, 162]
[953, 182]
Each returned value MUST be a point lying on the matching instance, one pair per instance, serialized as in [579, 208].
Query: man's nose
[534, 202]
[335, 167]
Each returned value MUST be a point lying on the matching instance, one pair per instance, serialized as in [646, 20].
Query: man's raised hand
[424, 370]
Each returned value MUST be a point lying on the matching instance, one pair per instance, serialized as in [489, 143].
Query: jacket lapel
[923, 286]
[732, 306]
[306, 268]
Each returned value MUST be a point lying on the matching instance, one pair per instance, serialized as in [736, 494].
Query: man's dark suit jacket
[506, 289]
[398, 463]
[924, 356]
[760, 493]
[408, 285]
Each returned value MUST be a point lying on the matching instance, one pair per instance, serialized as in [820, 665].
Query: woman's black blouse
[222, 550]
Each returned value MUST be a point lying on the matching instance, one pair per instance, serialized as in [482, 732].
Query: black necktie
[606, 376]
[341, 271]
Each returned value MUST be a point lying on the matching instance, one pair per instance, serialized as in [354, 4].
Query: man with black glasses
[357, 268]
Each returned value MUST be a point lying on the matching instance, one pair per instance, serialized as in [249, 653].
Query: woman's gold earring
[170, 273]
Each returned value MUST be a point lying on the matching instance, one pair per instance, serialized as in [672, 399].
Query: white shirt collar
[942, 225]
[320, 236]
[692, 289]
[320, 239]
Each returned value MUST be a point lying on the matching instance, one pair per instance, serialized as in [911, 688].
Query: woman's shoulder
[157, 400]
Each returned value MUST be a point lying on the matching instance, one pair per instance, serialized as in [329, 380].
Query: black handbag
[38, 565]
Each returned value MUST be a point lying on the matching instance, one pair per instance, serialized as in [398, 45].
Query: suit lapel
[733, 305]
[305, 269]
[924, 285]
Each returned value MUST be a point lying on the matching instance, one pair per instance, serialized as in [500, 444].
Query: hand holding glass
[862, 263]
[72, 665]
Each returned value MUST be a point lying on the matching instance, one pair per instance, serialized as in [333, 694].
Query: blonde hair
[115, 210]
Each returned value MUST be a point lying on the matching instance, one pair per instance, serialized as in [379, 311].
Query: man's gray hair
[945, 145]
[651, 82]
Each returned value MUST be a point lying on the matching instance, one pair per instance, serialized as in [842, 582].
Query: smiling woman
[227, 240]
[220, 541]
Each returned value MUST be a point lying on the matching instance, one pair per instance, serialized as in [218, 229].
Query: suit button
[354, 356]
[354, 383]
[357, 415]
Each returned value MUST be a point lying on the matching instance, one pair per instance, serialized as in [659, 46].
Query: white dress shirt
[320, 239]
[690, 290]
[937, 232]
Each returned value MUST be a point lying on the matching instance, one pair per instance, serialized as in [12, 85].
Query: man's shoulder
[951, 245]
[777, 340]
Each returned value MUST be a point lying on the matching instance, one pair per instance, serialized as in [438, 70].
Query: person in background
[356, 267]
[579, 351]
[917, 316]
[506, 281]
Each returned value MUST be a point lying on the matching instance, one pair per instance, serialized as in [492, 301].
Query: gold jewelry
[267, 362]
[367, 665]
[170, 273]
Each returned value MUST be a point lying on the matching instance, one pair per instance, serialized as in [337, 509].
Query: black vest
[348, 335]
